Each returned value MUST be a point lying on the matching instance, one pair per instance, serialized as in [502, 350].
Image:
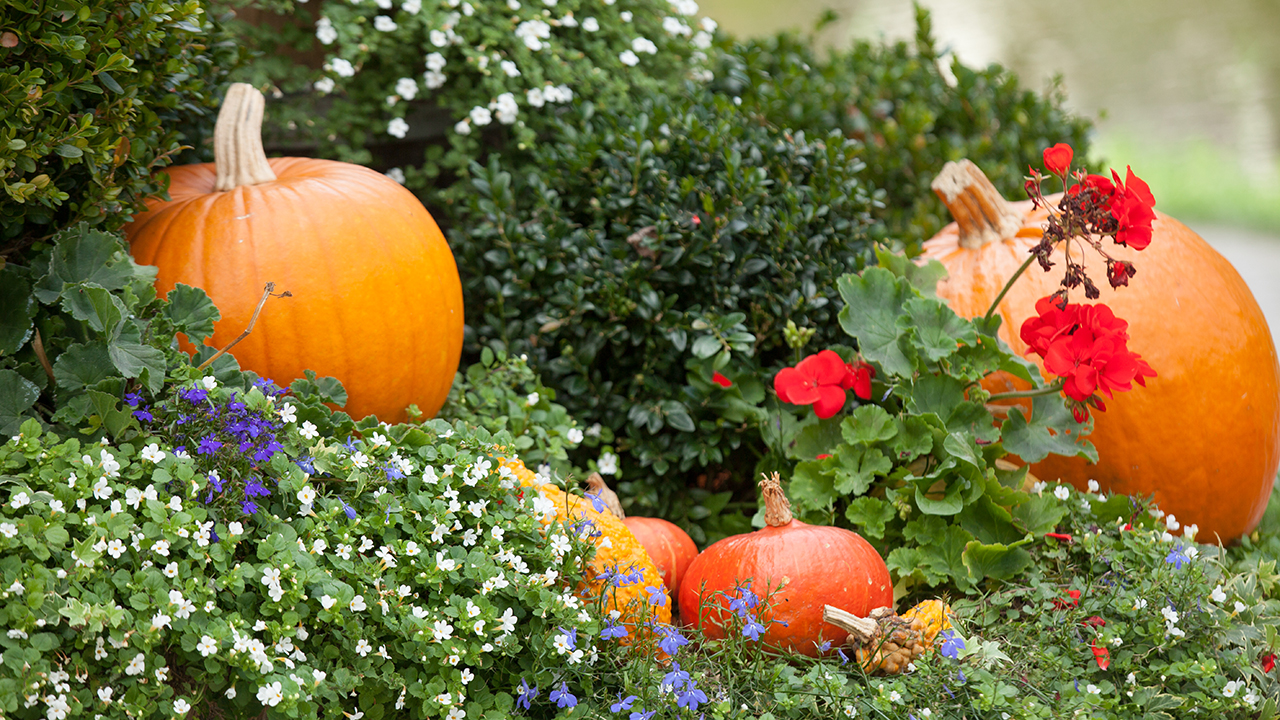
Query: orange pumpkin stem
[237, 140]
[982, 214]
[596, 484]
[777, 508]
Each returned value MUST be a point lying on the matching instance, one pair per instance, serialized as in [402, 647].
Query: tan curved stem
[978, 208]
[237, 140]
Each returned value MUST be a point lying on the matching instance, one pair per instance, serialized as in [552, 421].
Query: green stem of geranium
[1050, 389]
[1005, 290]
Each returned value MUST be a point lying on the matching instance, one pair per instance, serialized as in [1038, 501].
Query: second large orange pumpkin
[376, 300]
[1204, 435]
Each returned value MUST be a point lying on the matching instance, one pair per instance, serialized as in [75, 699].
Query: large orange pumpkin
[809, 566]
[376, 300]
[1204, 435]
[670, 548]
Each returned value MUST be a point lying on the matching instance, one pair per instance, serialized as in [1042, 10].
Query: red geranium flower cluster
[1130, 204]
[1085, 345]
[821, 380]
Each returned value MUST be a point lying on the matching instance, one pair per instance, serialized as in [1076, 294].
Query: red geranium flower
[859, 379]
[1268, 662]
[1058, 158]
[1072, 600]
[817, 380]
[721, 380]
[1131, 205]
[1064, 537]
[1100, 654]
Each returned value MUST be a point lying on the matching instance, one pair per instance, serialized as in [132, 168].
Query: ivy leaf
[84, 255]
[938, 330]
[1050, 429]
[873, 302]
[191, 312]
[17, 310]
[994, 560]
[95, 305]
[870, 514]
[83, 365]
[17, 395]
[868, 424]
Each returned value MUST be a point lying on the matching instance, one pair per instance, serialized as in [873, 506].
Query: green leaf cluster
[657, 246]
[914, 468]
[94, 96]
[82, 324]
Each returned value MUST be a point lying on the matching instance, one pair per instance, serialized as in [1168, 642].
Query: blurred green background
[1187, 92]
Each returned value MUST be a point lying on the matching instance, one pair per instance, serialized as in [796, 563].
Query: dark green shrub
[657, 246]
[909, 113]
[94, 96]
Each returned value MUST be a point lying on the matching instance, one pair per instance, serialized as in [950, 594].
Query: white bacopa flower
[105, 692]
[1240, 607]
[342, 67]
[357, 604]
[160, 620]
[411, 6]
[161, 548]
[438, 38]
[181, 706]
[533, 397]
[628, 58]
[591, 24]
[327, 602]
[10, 530]
[574, 436]
[533, 32]
[231, 693]
[382, 23]
[152, 453]
[444, 564]
[384, 4]
[360, 460]
[513, 4]
[1232, 687]
[708, 24]
[325, 32]
[481, 116]
[568, 21]
[235, 528]
[271, 694]
[1140, 604]
[509, 68]
[407, 88]
[441, 630]
[396, 128]
[115, 548]
[170, 570]
[306, 495]
[702, 41]
[137, 665]
[607, 464]
[435, 61]
[1061, 492]
[288, 413]
[625, 15]
[1217, 595]
[676, 26]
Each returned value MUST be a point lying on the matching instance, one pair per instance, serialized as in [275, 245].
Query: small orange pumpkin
[1204, 435]
[670, 548]
[809, 566]
[376, 303]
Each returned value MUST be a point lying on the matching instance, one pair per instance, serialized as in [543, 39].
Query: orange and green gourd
[616, 548]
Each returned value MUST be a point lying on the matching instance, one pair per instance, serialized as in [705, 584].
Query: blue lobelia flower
[562, 697]
[656, 595]
[952, 644]
[691, 697]
[623, 703]
[672, 640]
[1177, 557]
[752, 629]
[208, 445]
[526, 694]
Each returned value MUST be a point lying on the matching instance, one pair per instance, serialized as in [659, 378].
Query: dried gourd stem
[864, 630]
[596, 484]
[237, 140]
[38, 346]
[777, 508]
[266, 293]
[981, 213]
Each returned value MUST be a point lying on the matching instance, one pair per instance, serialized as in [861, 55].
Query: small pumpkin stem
[596, 484]
[237, 140]
[777, 508]
[978, 208]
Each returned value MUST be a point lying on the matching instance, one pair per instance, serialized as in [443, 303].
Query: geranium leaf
[816, 439]
[922, 277]
[191, 312]
[994, 560]
[868, 424]
[83, 365]
[873, 302]
[83, 255]
[938, 330]
[1050, 429]
[1039, 515]
[95, 305]
[17, 309]
[859, 468]
[17, 395]
[988, 522]
[938, 394]
[870, 514]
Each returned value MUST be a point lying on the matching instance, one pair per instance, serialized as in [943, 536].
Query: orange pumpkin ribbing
[1204, 435]
[376, 299]
[808, 566]
[670, 548]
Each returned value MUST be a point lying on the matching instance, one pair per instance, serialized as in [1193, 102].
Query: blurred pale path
[1256, 256]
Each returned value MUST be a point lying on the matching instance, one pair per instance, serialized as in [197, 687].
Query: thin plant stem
[1005, 290]
[1050, 389]
[266, 293]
